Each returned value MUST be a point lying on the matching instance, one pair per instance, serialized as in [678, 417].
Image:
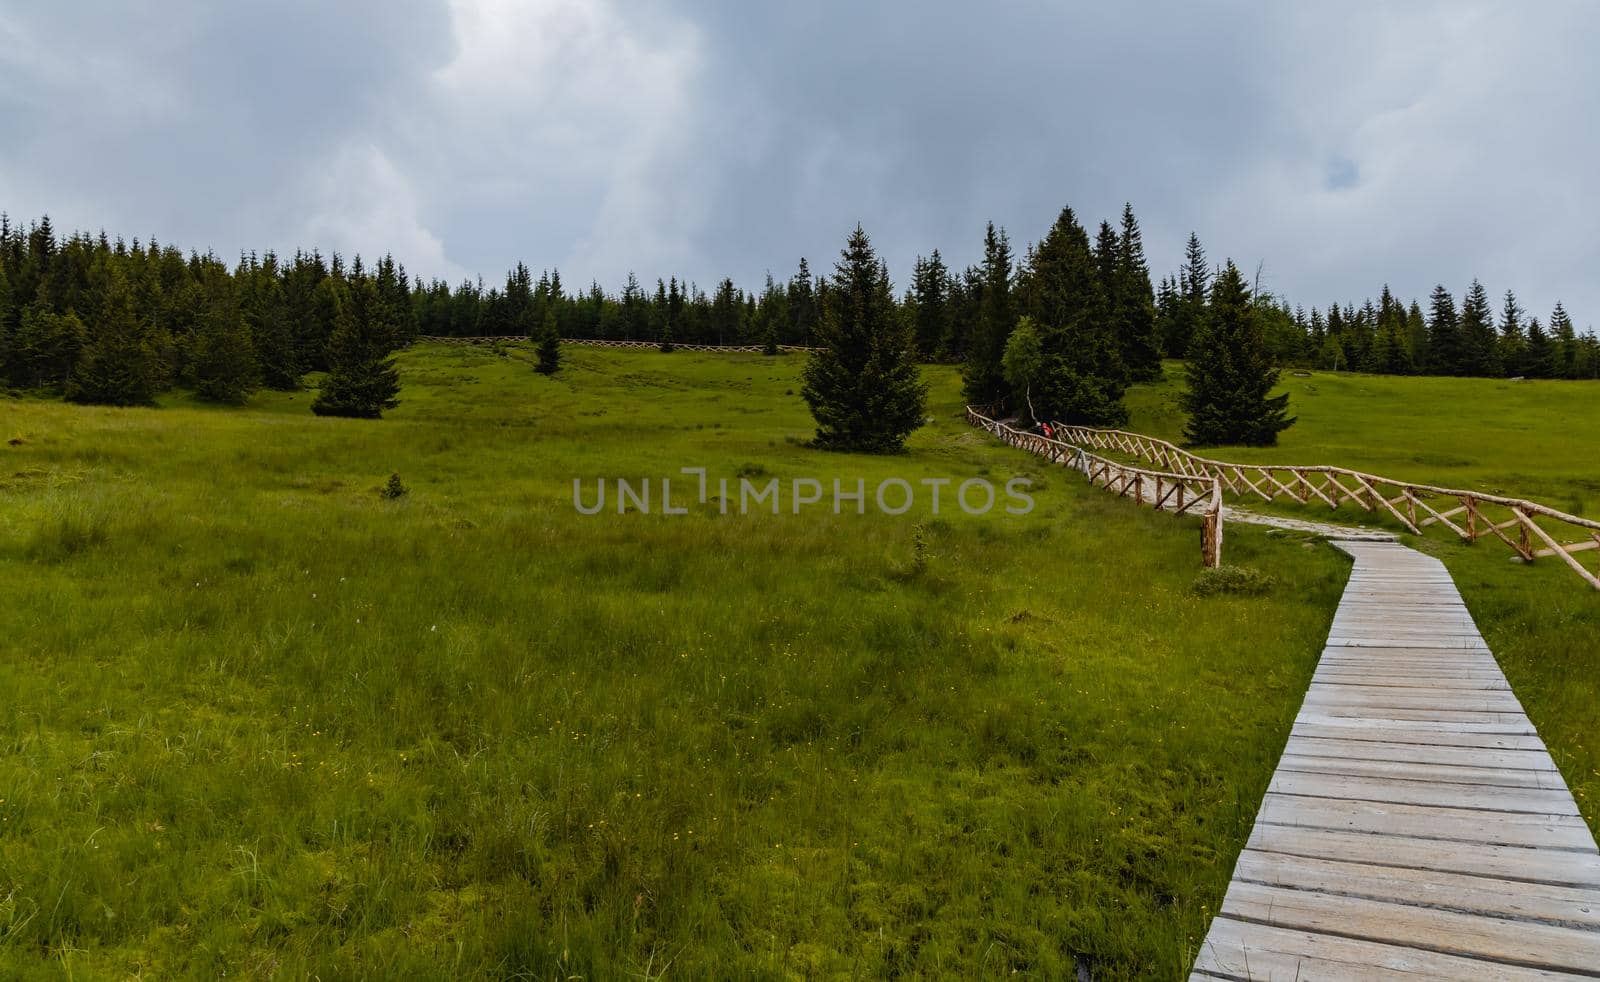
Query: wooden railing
[604, 343]
[1531, 530]
[1171, 491]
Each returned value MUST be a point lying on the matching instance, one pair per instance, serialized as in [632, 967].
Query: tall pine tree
[1564, 344]
[362, 381]
[1480, 352]
[1513, 343]
[863, 387]
[930, 288]
[1193, 283]
[983, 379]
[1231, 378]
[1134, 302]
[1081, 378]
[1445, 356]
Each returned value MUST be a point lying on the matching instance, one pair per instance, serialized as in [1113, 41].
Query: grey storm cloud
[1339, 147]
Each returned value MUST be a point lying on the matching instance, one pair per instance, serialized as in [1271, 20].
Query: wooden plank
[1264, 953]
[1477, 719]
[1399, 732]
[1513, 864]
[1463, 893]
[1379, 752]
[1465, 775]
[1418, 726]
[1427, 822]
[1398, 697]
[1389, 790]
[1444, 680]
[1526, 943]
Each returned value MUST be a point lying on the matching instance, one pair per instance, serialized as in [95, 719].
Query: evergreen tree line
[116, 323]
[107, 321]
[1392, 337]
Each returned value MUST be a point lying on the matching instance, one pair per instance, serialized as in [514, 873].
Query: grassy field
[262, 721]
[1538, 440]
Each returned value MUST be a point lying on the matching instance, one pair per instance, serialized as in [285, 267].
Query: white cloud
[575, 118]
[359, 202]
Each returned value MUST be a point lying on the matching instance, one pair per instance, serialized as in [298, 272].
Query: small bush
[1242, 581]
[920, 556]
[394, 489]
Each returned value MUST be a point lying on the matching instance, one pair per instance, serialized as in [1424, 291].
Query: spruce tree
[1417, 335]
[224, 359]
[1513, 343]
[1564, 344]
[930, 288]
[1479, 348]
[1135, 312]
[1540, 360]
[863, 387]
[362, 381]
[1193, 283]
[118, 366]
[1444, 334]
[983, 381]
[549, 351]
[725, 313]
[770, 316]
[1081, 377]
[802, 306]
[1231, 378]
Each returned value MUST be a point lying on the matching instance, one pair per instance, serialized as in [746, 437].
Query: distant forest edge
[85, 314]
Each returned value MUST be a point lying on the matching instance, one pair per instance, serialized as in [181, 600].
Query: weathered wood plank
[1464, 893]
[1401, 770]
[1529, 944]
[1469, 797]
[1379, 752]
[1264, 953]
[1514, 864]
[1427, 822]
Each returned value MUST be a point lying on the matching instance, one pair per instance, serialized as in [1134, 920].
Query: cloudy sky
[1342, 147]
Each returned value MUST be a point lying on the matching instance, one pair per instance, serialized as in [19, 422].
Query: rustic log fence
[606, 343]
[1531, 530]
[1171, 491]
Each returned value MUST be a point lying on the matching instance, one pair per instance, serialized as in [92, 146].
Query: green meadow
[262, 720]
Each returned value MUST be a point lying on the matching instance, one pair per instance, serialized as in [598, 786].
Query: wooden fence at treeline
[1174, 491]
[1531, 530]
[602, 343]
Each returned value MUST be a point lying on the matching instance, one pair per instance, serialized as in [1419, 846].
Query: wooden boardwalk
[1416, 827]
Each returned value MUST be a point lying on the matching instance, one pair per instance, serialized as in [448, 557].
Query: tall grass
[261, 719]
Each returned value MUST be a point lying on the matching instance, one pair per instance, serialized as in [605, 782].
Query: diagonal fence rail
[1531, 530]
[1179, 493]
